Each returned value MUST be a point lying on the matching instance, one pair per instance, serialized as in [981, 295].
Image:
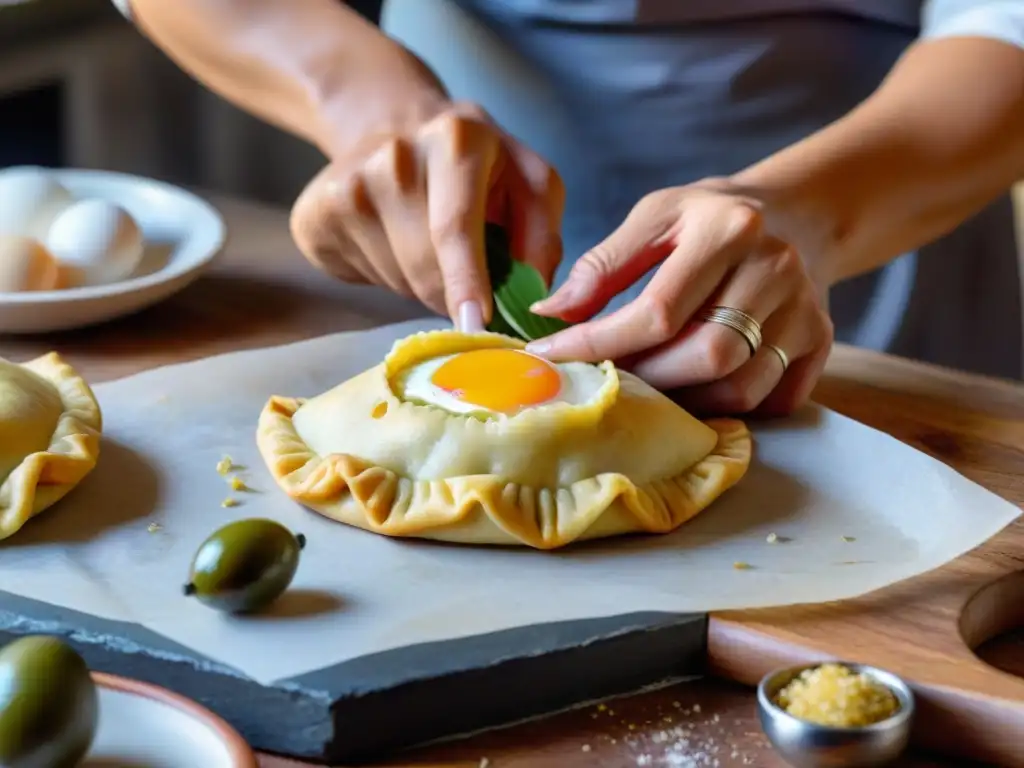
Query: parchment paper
[815, 480]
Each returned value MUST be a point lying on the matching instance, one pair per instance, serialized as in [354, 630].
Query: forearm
[941, 138]
[314, 68]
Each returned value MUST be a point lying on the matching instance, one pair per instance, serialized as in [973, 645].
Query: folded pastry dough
[620, 459]
[50, 426]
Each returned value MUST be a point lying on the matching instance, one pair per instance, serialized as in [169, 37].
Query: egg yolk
[502, 380]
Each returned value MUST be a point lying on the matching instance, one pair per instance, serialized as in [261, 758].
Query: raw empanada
[50, 426]
[466, 438]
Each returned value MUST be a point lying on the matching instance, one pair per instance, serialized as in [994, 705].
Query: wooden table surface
[261, 293]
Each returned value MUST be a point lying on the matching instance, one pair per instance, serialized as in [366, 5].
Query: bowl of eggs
[81, 247]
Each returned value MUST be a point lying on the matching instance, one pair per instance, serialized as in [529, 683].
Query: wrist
[393, 97]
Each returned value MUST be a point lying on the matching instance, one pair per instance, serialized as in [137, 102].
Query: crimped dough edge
[485, 509]
[45, 477]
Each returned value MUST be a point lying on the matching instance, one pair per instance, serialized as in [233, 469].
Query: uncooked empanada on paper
[50, 425]
[467, 438]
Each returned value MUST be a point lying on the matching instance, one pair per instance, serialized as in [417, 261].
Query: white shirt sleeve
[124, 7]
[996, 19]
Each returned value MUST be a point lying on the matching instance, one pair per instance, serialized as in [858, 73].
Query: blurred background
[80, 87]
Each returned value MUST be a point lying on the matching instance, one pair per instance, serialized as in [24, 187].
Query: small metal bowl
[804, 744]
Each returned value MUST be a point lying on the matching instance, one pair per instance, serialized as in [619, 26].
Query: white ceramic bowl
[144, 725]
[183, 235]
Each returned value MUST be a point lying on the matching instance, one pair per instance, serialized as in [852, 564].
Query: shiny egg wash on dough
[498, 381]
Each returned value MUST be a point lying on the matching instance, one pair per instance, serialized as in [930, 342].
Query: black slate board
[374, 705]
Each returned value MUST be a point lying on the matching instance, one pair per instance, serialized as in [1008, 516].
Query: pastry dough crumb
[380, 410]
[238, 484]
[848, 539]
[224, 465]
[229, 502]
[484, 762]
[741, 566]
[585, 748]
[154, 527]
[772, 538]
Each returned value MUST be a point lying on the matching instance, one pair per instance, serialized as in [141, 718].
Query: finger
[536, 198]
[685, 282]
[397, 188]
[707, 230]
[796, 386]
[315, 229]
[610, 267]
[357, 216]
[462, 155]
[759, 287]
[746, 388]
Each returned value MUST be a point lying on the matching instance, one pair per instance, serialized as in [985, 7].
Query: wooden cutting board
[927, 629]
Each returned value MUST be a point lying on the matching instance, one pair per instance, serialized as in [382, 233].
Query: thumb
[610, 267]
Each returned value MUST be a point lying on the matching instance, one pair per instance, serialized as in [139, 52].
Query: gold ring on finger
[739, 321]
[783, 357]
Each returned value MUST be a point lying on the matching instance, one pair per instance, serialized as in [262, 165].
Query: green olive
[49, 707]
[245, 566]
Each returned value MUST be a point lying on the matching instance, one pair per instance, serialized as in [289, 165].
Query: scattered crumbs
[611, 712]
[601, 707]
[585, 748]
[632, 727]
[594, 716]
[741, 566]
[851, 562]
[716, 718]
[849, 539]
[666, 719]
[772, 538]
[154, 527]
[484, 762]
[238, 484]
[615, 741]
[225, 465]
[676, 704]
[696, 708]
[229, 502]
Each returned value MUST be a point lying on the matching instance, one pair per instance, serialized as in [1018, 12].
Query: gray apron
[628, 96]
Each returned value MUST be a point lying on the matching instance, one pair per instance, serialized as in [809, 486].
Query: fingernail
[471, 317]
[538, 347]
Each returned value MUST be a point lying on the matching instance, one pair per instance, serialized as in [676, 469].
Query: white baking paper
[854, 509]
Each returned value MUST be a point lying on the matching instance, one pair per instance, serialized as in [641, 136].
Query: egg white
[579, 383]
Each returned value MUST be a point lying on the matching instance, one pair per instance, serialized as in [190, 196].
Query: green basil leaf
[516, 287]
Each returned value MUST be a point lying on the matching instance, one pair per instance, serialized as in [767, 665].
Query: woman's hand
[714, 251]
[405, 208]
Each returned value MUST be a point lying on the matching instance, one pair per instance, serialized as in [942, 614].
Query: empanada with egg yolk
[50, 426]
[466, 438]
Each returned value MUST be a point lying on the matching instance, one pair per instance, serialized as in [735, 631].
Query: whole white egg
[96, 242]
[572, 383]
[26, 265]
[30, 199]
